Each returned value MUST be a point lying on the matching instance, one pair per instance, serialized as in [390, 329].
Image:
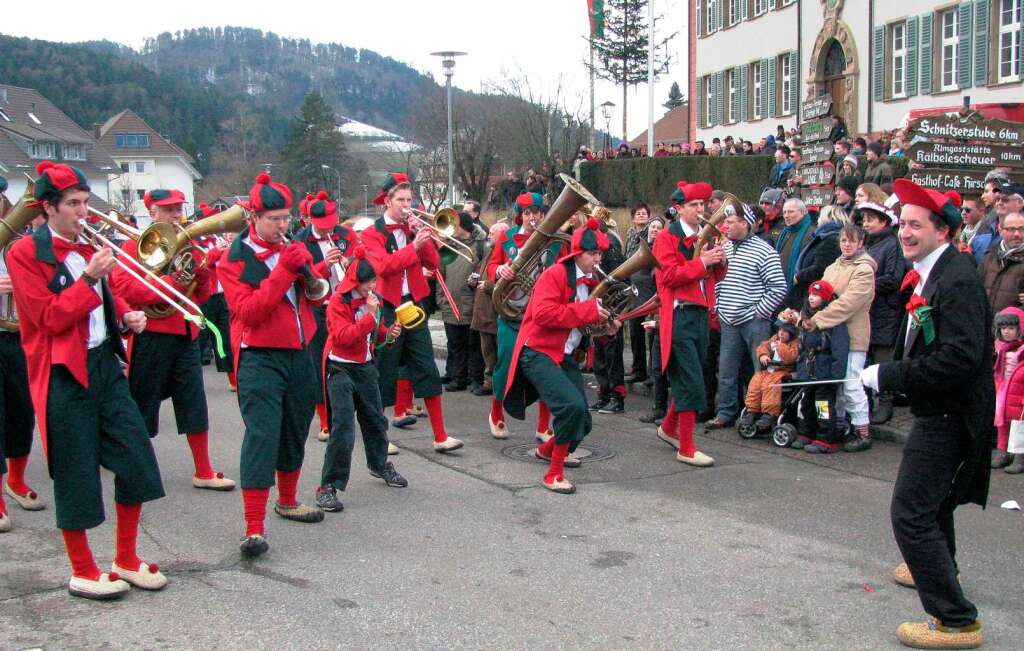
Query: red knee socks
[668, 425]
[321, 411]
[497, 411]
[82, 563]
[126, 535]
[546, 447]
[254, 508]
[436, 415]
[1003, 437]
[199, 442]
[232, 380]
[687, 420]
[403, 398]
[16, 478]
[556, 470]
[543, 417]
[287, 485]
[3, 505]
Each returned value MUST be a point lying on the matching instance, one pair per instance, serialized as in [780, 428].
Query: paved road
[769, 549]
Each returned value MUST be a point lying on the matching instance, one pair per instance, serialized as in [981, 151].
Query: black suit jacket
[953, 374]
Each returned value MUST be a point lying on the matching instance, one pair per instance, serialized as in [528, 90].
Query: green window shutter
[912, 44]
[981, 37]
[719, 14]
[878, 61]
[794, 86]
[702, 87]
[737, 84]
[719, 103]
[924, 85]
[963, 54]
[771, 87]
[745, 11]
[741, 72]
[771, 5]
[764, 88]
[700, 18]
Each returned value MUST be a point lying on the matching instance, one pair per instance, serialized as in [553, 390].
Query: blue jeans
[737, 341]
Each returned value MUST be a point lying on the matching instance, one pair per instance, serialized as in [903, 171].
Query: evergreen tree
[675, 97]
[622, 49]
[313, 142]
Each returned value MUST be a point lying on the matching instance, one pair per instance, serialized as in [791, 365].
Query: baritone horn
[12, 223]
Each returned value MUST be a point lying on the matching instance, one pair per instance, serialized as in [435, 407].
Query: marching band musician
[216, 308]
[686, 287]
[16, 415]
[400, 255]
[330, 244]
[70, 328]
[528, 209]
[164, 361]
[542, 362]
[272, 325]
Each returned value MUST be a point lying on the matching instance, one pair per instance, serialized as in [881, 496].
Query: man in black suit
[944, 349]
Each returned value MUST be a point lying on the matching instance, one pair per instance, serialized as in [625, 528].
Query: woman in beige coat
[853, 277]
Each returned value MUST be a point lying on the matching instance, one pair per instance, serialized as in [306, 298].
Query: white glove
[869, 377]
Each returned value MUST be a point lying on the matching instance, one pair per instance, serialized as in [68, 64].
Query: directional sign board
[965, 155]
[817, 107]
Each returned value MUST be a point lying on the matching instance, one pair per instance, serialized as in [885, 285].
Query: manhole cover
[586, 453]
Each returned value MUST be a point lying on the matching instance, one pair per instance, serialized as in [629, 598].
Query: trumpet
[442, 226]
[314, 288]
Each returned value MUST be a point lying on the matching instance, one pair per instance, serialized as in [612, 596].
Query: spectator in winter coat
[484, 322]
[464, 360]
[1006, 198]
[1002, 268]
[769, 228]
[782, 169]
[853, 277]
[887, 307]
[846, 189]
[821, 250]
[838, 130]
[638, 231]
[793, 237]
[1009, 381]
[776, 358]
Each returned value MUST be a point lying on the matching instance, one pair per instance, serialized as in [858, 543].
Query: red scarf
[62, 247]
[271, 247]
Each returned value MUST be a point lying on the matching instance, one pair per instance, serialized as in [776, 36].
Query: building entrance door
[835, 77]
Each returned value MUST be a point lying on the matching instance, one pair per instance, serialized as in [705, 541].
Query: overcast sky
[544, 38]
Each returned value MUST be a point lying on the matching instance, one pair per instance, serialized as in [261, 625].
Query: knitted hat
[822, 289]
[57, 177]
[203, 211]
[304, 205]
[1008, 316]
[852, 160]
[526, 201]
[749, 215]
[875, 147]
[848, 184]
[772, 196]
[788, 320]
[359, 270]
[163, 197]
[912, 194]
[395, 178]
[685, 192]
[265, 194]
[323, 211]
[589, 238]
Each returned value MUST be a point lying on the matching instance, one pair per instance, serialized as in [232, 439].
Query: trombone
[442, 227]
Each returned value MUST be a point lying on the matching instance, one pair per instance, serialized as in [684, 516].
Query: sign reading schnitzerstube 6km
[941, 154]
[996, 132]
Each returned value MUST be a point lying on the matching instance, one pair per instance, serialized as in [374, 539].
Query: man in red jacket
[164, 361]
[686, 287]
[70, 327]
[271, 327]
[542, 361]
[400, 255]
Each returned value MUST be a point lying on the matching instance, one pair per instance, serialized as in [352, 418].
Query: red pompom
[681, 184]
[113, 576]
[955, 197]
[43, 166]
[400, 178]
[154, 568]
[310, 197]
[593, 224]
[263, 178]
[359, 252]
[322, 195]
[203, 206]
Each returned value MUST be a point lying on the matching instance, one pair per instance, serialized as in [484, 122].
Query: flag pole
[650, 77]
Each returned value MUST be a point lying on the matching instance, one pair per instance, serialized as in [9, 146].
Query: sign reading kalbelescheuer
[965, 155]
[997, 132]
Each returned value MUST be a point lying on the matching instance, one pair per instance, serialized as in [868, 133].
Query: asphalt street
[770, 549]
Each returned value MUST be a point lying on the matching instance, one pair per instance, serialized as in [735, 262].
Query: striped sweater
[754, 286]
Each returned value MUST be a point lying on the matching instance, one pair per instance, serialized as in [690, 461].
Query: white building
[752, 62]
[147, 161]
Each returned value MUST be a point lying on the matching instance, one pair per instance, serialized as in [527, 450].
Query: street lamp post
[448, 65]
[337, 197]
[366, 199]
[606, 112]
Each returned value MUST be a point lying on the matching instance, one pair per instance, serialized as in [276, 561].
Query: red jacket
[551, 316]
[679, 279]
[347, 337]
[344, 238]
[54, 314]
[261, 314]
[139, 296]
[390, 262]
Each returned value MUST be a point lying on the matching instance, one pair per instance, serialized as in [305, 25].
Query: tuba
[12, 223]
[510, 296]
[614, 290]
[709, 234]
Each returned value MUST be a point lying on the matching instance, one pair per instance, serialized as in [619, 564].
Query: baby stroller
[784, 429]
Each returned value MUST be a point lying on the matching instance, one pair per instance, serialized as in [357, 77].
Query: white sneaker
[447, 445]
[147, 577]
[498, 430]
[698, 459]
[106, 587]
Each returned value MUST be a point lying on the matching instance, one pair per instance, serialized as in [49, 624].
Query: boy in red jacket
[71, 329]
[271, 327]
[542, 361]
[354, 333]
[164, 361]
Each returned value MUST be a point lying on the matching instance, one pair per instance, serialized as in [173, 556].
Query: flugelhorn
[13, 222]
[313, 287]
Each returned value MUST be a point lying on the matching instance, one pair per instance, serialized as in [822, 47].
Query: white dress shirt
[325, 246]
[401, 241]
[75, 265]
[271, 262]
[924, 268]
[582, 294]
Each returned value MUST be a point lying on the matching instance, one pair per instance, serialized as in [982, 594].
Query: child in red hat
[823, 354]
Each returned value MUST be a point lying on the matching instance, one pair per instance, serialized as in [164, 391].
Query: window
[787, 83]
[1009, 39]
[710, 16]
[140, 167]
[760, 6]
[758, 80]
[735, 11]
[124, 167]
[131, 140]
[787, 2]
[950, 44]
[143, 140]
[734, 100]
[899, 60]
[33, 117]
[141, 194]
[40, 150]
[709, 102]
[4, 116]
[119, 141]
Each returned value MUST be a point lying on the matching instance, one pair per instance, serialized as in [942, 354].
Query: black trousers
[609, 370]
[167, 366]
[475, 358]
[812, 424]
[458, 352]
[638, 346]
[660, 378]
[16, 415]
[410, 357]
[353, 393]
[216, 311]
[922, 514]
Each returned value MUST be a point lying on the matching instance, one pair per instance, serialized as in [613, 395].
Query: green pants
[277, 397]
[413, 353]
[352, 389]
[168, 366]
[16, 415]
[507, 333]
[686, 360]
[561, 389]
[89, 428]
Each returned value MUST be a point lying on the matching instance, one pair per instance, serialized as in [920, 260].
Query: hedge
[624, 182]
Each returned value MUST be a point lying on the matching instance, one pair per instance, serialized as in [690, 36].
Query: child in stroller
[777, 357]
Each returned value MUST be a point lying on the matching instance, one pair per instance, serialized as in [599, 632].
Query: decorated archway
[834, 69]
